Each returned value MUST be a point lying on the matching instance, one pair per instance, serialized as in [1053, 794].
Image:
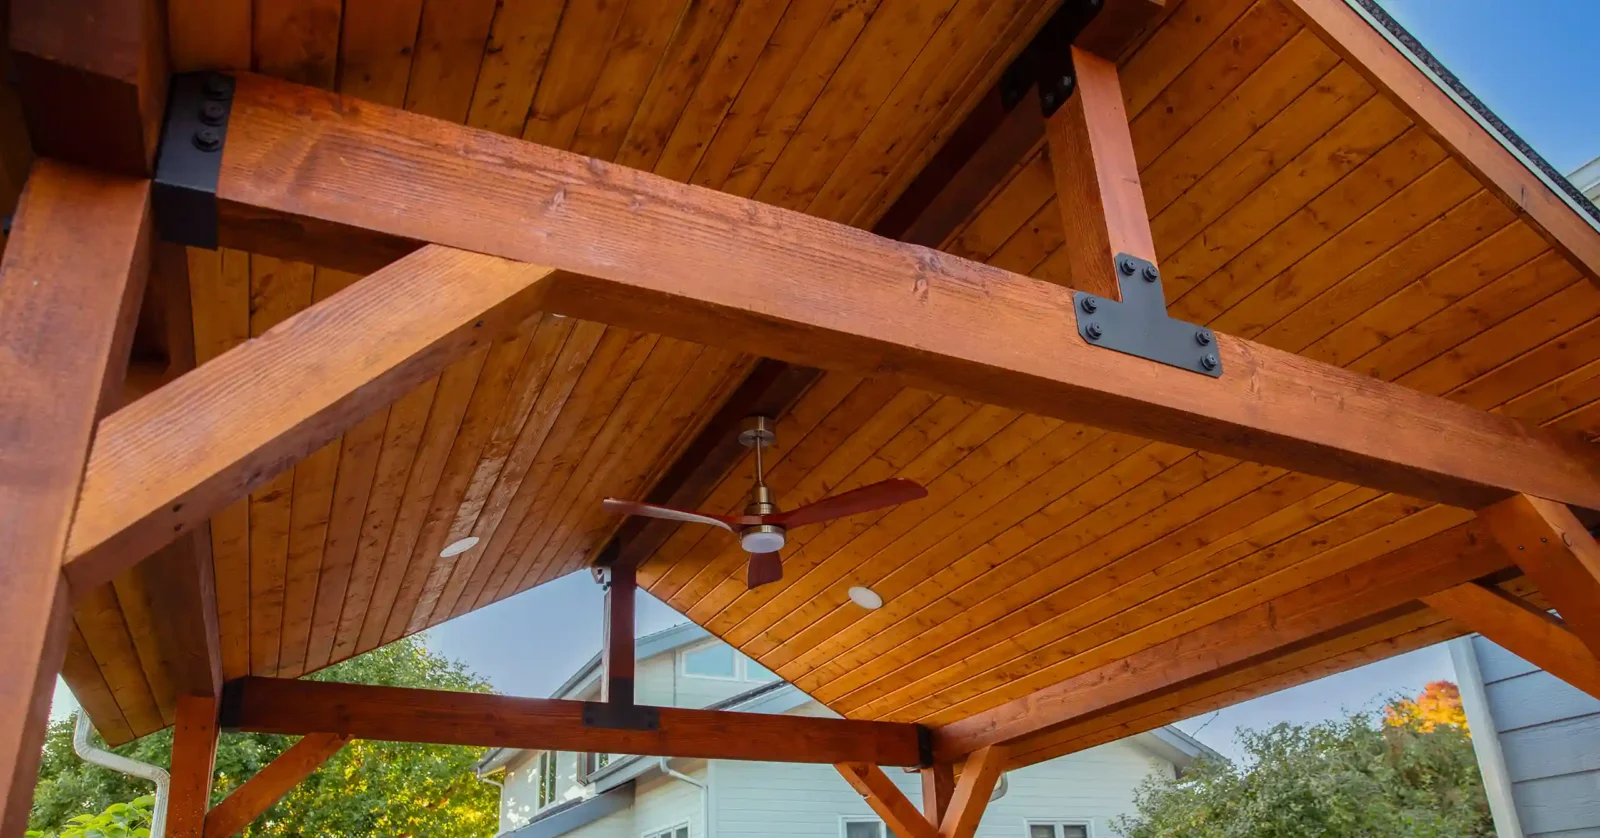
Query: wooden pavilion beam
[1533, 635]
[1370, 52]
[271, 705]
[647, 253]
[978, 777]
[1368, 593]
[275, 779]
[887, 800]
[1548, 542]
[258, 408]
[73, 272]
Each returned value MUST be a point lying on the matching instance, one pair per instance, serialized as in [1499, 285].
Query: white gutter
[123, 765]
[665, 764]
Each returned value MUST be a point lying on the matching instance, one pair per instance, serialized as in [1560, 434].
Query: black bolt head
[207, 139]
[1047, 100]
[1126, 266]
[1090, 304]
[1068, 84]
[1150, 273]
[1094, 331]
[212, 112]
[1210, 362]
[1202, 337]
[216, 86]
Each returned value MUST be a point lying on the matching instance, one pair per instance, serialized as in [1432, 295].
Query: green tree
[1390, 775]
[367, 788]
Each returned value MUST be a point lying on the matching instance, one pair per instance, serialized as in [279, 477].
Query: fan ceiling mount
[764, 527]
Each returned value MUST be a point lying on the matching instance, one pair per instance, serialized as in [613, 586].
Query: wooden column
[1548, 542]
[1527, 632]
[73, 271]
[271, 783]
[621, 585]
[978, 776]
[1097, 178]
[194, 756]
[886, 800]
[938, 784]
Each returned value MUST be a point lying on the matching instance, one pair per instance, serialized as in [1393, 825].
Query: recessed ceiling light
[456, 548]
[866, 598]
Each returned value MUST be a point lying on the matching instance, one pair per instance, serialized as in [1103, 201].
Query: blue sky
[1529, 60]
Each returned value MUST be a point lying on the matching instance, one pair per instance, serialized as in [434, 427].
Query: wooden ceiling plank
[1556, 398]
[1534, 635]
[809, 599]
[1100, 500]
[687, 60]
[634, 57]
[1016, 198]
[1174, 46]
[105, 630]
[520, 40]
[1033, 242]
[138, 626]
[1269, 89]
[894, 578]
[72, 275]
[377, 46]
[393, 713]
[1311, 118]
[269, 784]
[1531, 371]
[560, 99]
[451, 40]
[298, 40]
[1488, 260]
[1391, 581]
[1300, 244]
[553, 360]
[887, 800]
[1359, 536]
[1431, 106]
[89, 688]
[209, 34]
[1548, 542]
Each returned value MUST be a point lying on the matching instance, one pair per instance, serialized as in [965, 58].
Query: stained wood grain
[73, 272]
[887, 800]
[194, 755]
[267, 786]
[1534, 635]
[1553, 547]
[267, 705]
[978, 776]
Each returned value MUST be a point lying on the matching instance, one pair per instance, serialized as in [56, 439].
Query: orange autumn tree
[1439, 704]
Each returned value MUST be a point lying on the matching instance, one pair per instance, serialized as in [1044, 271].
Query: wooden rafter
[1548, 542]
[887, 800]
[275, 779]
[270, 705]
[74, 269]
[1536, 636]
[1344, 602]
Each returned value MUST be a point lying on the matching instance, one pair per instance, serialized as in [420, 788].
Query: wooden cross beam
[270, 705]
[275, 779]
[1341, 603]
[1536, 636]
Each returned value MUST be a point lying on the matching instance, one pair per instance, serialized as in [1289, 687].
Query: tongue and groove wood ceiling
[1291, 203]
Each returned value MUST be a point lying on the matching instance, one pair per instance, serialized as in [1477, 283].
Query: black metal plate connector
[1047, 59]
[620, 716]
[1139, 325]
[184, 192]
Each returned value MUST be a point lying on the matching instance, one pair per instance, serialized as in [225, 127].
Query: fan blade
[764, 568]
[864, 499]
[665, 513]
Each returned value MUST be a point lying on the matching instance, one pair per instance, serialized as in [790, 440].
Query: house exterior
[546, 794]
[1537, 740]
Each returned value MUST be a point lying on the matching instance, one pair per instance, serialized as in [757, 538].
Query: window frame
[846, 820]
[670, 831]
[1086, 823]
[546, 761]
[683, 662]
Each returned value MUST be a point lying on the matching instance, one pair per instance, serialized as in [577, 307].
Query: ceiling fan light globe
[762, 539]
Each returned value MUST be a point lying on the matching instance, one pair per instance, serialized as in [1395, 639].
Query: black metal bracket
[1139, 325]
[924, 746]
[1047, 59]
[184, 192]
[620, 716]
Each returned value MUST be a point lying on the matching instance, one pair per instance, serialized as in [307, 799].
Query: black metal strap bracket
[620, 716]
[1139, 325]
[1047, 60]
[183, 195]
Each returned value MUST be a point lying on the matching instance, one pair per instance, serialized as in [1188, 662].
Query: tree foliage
[367, 788]
[1411, 776]
[1439, 704]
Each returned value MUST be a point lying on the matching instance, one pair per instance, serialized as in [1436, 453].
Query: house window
[1058, 829]
[714, 661]
[864, 828]
[547, 778]
[679, 831]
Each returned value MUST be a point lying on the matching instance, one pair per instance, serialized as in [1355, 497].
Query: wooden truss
[464, 233]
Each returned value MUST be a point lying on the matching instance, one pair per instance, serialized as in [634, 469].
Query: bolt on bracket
[1139, 325]
[183, 194]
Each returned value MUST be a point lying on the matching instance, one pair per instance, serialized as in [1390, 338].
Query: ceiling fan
[763, 526]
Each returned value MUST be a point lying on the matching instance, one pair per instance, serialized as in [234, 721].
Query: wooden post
[194, 756]
[621, 585]
[271, 783]
[938, 784]
[971, 797]
[73, 272]
[1097, 178]
[1548, 542]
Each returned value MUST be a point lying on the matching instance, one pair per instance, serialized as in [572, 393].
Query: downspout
[130, 767]
[665, 764]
